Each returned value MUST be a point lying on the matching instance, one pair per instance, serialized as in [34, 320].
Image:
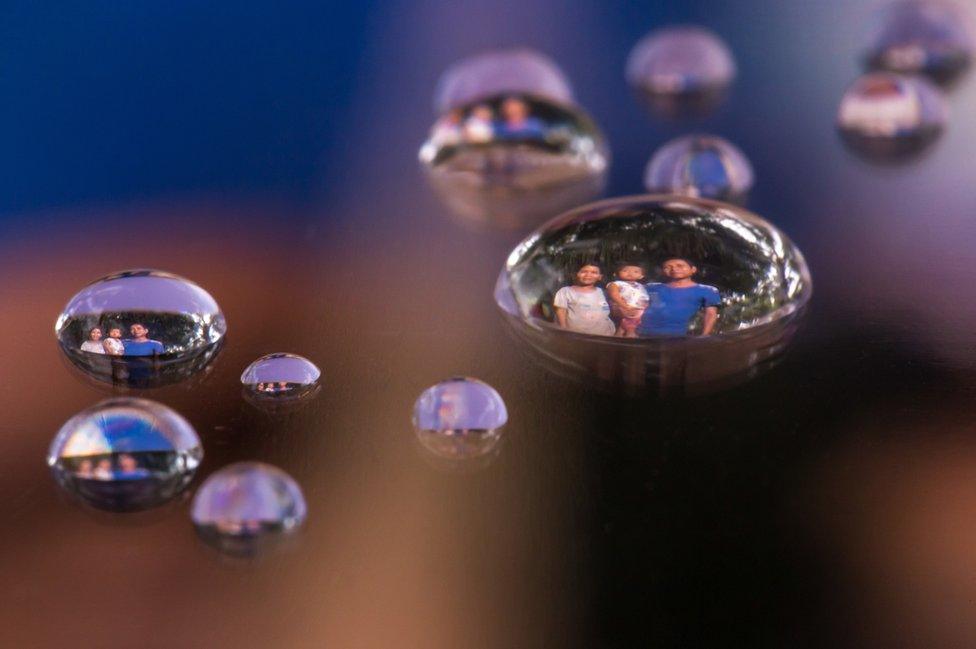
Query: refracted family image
[125, 467]
[630, 307]
[139, 344]
[480, 125]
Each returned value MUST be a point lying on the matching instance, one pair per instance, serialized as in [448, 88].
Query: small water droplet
[244, 507]
[700, 166]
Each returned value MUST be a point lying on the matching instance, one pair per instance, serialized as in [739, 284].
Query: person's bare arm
[561, 316]
[711, 317]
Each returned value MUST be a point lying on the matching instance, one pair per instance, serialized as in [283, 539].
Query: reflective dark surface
[269, 154]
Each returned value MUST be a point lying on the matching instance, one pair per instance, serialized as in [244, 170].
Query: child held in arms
[674, 302]
[583, 307]
[628, 298]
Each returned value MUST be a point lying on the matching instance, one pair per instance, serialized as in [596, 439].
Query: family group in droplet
[481, 126]
[138, 345]
[126, 468]
[631, 308]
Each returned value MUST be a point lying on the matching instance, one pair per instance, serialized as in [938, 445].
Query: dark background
[268, 152]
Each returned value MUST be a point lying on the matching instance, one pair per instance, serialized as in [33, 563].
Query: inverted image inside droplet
[700, 166]
[664, 292]
[459, 420]
[244, 507]
[890, 117]
[681, 70]
[125, 454]
[141, 328]
[931, 37]
[513, 157]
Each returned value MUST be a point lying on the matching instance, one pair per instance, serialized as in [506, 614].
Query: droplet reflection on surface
[244, 507]
[459, 421]
[681, 70]
[891, 117]
[709, 294]
[700, 166]
[511, 152]
[931, 37]
[125, 454]
[141, 328]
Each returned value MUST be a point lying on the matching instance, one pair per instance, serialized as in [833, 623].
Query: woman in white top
[94, 342]
[583, 307]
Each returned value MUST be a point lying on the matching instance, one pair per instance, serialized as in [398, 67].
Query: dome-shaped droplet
[459, 419]
[244, 506]
[700, 166]
[681, 69]
[932, 37]
[498, 72]
[281, 375]
[668, 292]
[141, 328]
[511, 152]
[887, 116]
[125, 454]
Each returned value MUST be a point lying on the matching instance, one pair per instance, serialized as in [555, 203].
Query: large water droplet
[515, 149]
[125, 454]
[459, 421]
[141, 328]
[936, 38]
[668, 292]
[681, 70]
[243, 507]
[700, 166]
[890, 117]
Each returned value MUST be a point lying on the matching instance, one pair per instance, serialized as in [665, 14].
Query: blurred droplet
[890, 117]
[699, 264]
[510, 147]
[244, 507]
[125, 454]
[931, 37]
[700, 166]
[681, 70]
[459, 422]
[141, 328]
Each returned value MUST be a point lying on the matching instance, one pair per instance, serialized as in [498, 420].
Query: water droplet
[281, 377]
[244, 507]
[890, 117]
[700, 166]
[936, 38]
[459, 421]
[125, 454]
[141, 328]
[681, 70]
[505, 152]
[678, 294]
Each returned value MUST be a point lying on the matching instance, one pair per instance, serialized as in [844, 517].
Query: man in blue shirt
[140, 344]
[516, 123]
[676, 301]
